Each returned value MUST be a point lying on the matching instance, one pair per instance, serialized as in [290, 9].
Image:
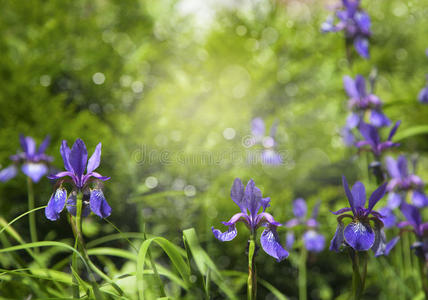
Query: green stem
[32, 216]
[423, 275]
[302, 274]
[77, 232]
[153, 265]
[357, 279]
[252, 274]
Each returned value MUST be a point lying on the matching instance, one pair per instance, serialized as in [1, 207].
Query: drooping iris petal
[314, 241]
[359, 236]
[98, 204]
[271, 245]
[419, 198]
[78, 157]
[56, 204]
[353, 120]
[237, 194]
[361, 44]
[34, 170]
[226, 236]
[347, 136]
[94, 160]
[378, 119]
[299, 208]
[8, 173]
[359, 194]
[337, 240]
[379, 244]
[376, 196]
[391, 244]
[72, 209]
[363, 21]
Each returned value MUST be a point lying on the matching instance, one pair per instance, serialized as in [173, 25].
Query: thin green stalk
[423, 275]
[32, 217]
[153, 266]
[252, 274]
[77, 232]
[302, 274]
[357, 279]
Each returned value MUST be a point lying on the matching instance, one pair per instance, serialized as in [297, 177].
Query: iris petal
[34, 170]
[94, 161]
[8, 173]
[56, 204]
[271, 245]
[226, 236]
[337, 240]
[314, 241]
[98, 204]
[359, 236]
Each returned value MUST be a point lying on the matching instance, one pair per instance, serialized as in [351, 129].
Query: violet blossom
[269, 155]
[89, 184]
[372, 139]
[354, 22]
[361, 103]
[250, 200]
[312, 239]
[365, 231]
[402, 182]
[414, 219]
[34, 162]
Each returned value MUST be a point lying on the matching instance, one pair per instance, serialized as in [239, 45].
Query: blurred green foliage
[158, 87]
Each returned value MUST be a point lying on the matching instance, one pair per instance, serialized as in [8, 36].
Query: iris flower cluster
[354, 22]
[89, 183]
[312, 239]
[361, 102]
[402, 182]
[34, 162]
[269, 155]
[250, 201]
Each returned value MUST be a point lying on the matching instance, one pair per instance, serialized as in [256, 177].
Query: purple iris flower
[75, 162]
[360, 102]
[268, 156]
[250, 201]
[414, 219]
[372, 138]
[354, 22]
[313, 241]
[365, 231]
[34, 162]
[402, 182]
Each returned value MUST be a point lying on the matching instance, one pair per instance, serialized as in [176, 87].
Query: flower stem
[32, 216]
[302, 274]
[358, 278]
[252, 274]
[423, 275]
[77, 232]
